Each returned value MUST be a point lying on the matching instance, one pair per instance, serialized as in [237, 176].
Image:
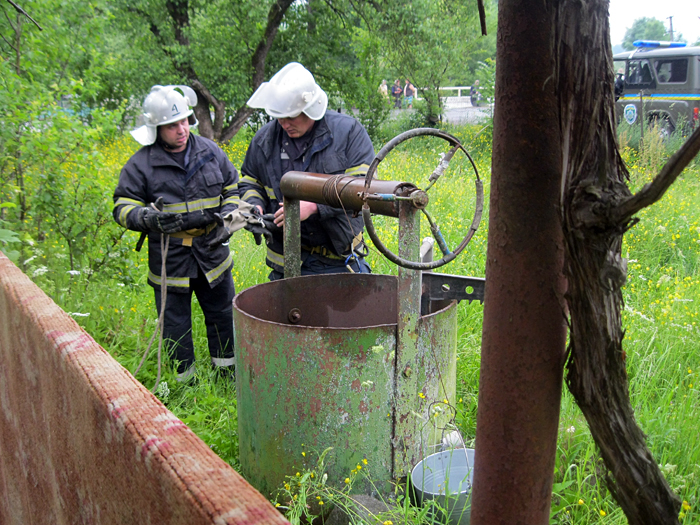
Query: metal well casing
[330, 379]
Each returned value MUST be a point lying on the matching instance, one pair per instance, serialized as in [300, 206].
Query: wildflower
[686, 505]
[347, 481]
[421, 395]
[312, 475]
[303, 454]
[286, 486]
[297, 474]
[580, 502]
[602, 512]
[320, 502]
[364, 461]
[388, 522]
[73, 272]
[277, 504]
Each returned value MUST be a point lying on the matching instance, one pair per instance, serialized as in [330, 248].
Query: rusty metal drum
[315, 368]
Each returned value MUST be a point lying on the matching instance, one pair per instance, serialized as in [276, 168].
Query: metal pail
[446, 477]
[315, 369]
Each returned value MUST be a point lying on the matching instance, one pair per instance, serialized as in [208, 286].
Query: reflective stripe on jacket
[340, 145]
[207, 186]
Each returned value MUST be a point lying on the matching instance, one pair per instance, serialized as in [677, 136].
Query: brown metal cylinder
[524, 331]
[341, 191]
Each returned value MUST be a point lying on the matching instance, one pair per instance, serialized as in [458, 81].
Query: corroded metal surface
[405, 448]
[292, 238]
[328, 380]
[334, 189]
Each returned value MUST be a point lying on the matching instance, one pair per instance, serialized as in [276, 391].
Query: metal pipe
[292, 238]
[343, 191]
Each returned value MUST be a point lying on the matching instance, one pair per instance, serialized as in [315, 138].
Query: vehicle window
[639, 73]
[670, 70]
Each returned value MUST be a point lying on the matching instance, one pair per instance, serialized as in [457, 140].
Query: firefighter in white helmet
[176, 184]
[304, 136]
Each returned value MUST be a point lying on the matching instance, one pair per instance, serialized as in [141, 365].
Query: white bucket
[446, 477]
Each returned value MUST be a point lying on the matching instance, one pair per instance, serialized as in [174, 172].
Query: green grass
[662, 296]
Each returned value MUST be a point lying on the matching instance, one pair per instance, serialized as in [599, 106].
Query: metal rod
[292, 238]
[406, 372]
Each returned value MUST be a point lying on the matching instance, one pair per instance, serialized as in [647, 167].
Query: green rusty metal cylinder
[316, 368]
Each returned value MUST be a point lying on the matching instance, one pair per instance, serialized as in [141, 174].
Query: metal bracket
[441, 286]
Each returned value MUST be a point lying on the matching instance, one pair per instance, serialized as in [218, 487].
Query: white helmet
[290, 92]
[163, 105]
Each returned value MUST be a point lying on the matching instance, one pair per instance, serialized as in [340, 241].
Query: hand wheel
[421, 201]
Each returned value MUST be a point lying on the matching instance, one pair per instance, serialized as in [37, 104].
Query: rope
[164, 245]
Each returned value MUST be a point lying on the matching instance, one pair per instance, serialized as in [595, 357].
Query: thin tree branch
[653, 191]
[23, 12]
[482, 16]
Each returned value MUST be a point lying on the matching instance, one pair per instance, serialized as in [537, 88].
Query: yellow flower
[320, 503]
[686, 505]
[303, 454]
[298, 474]
[603, 513]
[421, 395]
[580, 502]
[312, 475]
[347, 480]
[446, 401]
[364, 461]
[388, 522]
[277, 504]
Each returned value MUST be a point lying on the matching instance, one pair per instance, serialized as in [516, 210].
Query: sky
[685, 15]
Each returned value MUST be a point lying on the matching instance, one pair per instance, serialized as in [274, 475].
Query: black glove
[263, 227]
[221, 234]
[153, 219]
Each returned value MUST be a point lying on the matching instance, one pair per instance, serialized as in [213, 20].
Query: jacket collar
[322, 136]
[160, 157]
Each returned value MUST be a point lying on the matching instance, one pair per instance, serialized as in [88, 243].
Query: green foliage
[644, 29]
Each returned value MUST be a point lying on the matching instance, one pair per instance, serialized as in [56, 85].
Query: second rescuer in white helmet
[305, 137]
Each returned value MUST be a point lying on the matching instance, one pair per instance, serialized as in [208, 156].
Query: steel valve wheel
[419, 199]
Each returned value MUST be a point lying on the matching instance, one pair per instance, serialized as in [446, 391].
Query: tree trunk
[257, 62]
[593, 185]
[524, 331]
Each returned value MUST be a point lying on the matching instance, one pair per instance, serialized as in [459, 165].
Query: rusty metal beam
[292, 238]
[524, 334]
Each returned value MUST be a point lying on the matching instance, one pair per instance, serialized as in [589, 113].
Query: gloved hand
[221, 234]
[263, 226]
[154, 219]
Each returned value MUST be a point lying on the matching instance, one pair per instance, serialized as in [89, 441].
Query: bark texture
[594, 193]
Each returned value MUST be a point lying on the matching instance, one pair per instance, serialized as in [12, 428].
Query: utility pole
[670, 21]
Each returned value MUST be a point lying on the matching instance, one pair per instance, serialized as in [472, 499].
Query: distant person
[397, 93]
[475, 94]
[409, 91]
[619, 83]
[384, 89]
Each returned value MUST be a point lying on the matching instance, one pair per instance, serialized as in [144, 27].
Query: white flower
[78, 314]
[73, 272]
[41, 270]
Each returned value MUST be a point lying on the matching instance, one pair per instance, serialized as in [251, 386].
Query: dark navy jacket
[340, 145]
[208, 185]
